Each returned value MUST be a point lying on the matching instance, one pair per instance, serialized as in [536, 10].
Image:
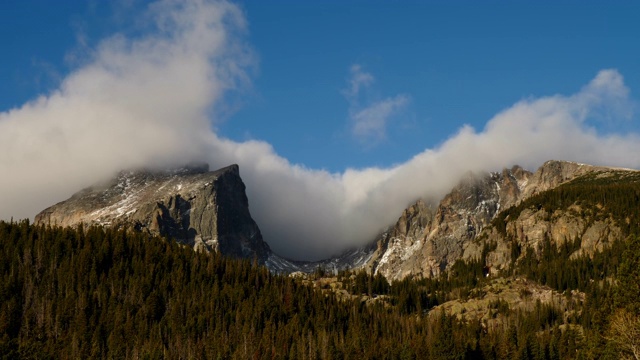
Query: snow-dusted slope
[209, 210]
[205, 209]
[427, 240]
[350, 260]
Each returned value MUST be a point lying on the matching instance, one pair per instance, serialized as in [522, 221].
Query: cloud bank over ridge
[152, 100]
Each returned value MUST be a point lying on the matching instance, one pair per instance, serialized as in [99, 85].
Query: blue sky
[459, 63]
[339, 114]
[455, 62]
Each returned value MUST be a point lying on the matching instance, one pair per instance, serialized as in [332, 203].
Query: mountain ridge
[427, 240]
[208, 210]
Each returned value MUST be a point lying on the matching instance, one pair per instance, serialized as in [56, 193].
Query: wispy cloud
[371, 122]
[368, 118]
[148, 101]
[358, 79]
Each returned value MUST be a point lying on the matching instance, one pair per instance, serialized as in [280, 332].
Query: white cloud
[148, 100]
[369, 122]
[135, 101]
[358, 80]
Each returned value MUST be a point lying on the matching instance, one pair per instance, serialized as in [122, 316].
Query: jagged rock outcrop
[491, 303]
[427, 240]
[208, 210]
[532, 227]
[553, 173]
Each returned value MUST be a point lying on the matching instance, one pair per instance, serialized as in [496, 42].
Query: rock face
[208, 210]
[531, 228]
[553, 173]
[427, 240]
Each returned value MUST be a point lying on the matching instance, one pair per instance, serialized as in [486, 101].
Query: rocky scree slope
[427, 239]
[208, 210]
[352, 259]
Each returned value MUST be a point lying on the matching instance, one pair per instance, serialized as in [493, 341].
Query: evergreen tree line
[105, 293]
[599, 195]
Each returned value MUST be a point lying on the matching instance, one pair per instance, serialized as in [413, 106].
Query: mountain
[427, 240]
[351, 259]
[209, 210]
[197, 207]
[514, 264]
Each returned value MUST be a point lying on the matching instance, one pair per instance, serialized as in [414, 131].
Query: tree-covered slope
[105, 293]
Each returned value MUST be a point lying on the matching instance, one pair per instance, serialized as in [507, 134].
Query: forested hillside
[599, 194]
[104, 293]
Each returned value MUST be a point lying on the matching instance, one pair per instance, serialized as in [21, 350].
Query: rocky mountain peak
[554, 172]
[201, 208]
[428, 239]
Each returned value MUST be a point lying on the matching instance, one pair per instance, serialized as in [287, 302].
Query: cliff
[208, 210]
[427, 240]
